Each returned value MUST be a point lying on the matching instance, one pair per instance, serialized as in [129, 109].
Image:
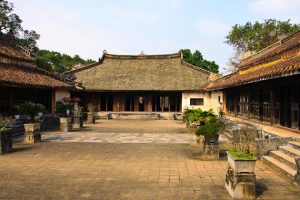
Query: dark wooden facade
[132, 101]
[11, 96]
[274, 101]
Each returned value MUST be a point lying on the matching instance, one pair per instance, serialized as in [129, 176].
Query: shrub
[30, 108]
[5, 121]
[63, 107]
[210, 129]
[198, 116]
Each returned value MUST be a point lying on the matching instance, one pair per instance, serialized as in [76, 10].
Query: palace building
[142, 83]
[266, 88]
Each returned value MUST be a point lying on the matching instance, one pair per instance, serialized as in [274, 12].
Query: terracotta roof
[289, 43]
[15, 53]
[285, 68]
[18, 76]
[165, 72]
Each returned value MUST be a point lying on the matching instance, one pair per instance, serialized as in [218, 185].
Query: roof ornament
[104, 51]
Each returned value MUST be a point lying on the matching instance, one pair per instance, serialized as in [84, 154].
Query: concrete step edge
[284, 158]
[286, 170]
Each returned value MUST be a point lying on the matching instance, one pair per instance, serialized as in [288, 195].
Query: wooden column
[169, 99]
[106, 102]
[235, 103]
[272, 106]
[53, 103]
[11, 101]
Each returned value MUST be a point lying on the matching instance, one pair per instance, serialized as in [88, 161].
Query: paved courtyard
[132, 170]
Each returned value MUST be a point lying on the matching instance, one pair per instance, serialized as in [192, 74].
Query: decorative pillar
[32, 133]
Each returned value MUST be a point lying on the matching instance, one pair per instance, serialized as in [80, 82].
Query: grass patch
[241, 155]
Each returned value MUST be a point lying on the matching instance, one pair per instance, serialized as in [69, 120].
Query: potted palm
[91, 114]
[32, 129]
[5, 135]
[64, 109]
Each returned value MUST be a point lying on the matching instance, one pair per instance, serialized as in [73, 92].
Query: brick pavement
[73, 170]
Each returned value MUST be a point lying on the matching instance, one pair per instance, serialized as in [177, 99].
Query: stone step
[227, 135]
[284, 158]
[290, 151]
[294, 144]
[279, 166]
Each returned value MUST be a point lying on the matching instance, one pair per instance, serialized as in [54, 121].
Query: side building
[21, 80]
[266, 88]
[142, 83]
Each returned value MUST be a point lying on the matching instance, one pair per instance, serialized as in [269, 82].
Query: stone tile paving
[52, 170]
[126, 131]
[80, 170]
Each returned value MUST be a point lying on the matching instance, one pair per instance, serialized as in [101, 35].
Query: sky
[87, 27]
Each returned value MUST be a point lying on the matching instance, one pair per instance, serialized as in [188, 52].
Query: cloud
[275, 6]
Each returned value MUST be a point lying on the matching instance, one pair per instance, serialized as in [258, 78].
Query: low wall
[142, 115]
[264, 146]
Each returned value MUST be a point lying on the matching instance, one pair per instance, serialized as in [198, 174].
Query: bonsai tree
[30, 108]
[91, 108]
[243, 142]
[210, 129]
[5, 122]
[64, 107]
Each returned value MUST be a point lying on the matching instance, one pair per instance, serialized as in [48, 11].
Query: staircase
[283, 159]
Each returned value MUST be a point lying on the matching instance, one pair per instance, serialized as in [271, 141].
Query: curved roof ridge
[142, 56]
[258, 56]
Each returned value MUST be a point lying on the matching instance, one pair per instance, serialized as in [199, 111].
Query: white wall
[60, 94]
[211, 100]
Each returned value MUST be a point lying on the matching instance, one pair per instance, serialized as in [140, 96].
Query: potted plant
[209, 130]
[64, 109]
[5, 135]
[32, 129]
[91, 114]
[241, 157]
[240, 177]
[78, 119]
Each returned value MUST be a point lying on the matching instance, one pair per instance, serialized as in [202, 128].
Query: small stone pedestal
[91, 118]
[32, 133]
[240, 185]
[65, 124]
[78, 121]
[210, 151]
[5, 141]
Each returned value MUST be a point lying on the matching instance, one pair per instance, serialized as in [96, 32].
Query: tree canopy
[11, 30]
[56, 62]
[12, 33]
[197, 59]
[253, 37]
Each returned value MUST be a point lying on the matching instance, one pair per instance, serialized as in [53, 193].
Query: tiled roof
[289, 43]
[285, 68]
[17, 76]
[13, 52]
[165, 72]
[280, 59]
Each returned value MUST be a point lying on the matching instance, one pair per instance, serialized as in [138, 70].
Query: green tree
[253, 37]
[11, 30]
[197, 59]
[56, 62]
